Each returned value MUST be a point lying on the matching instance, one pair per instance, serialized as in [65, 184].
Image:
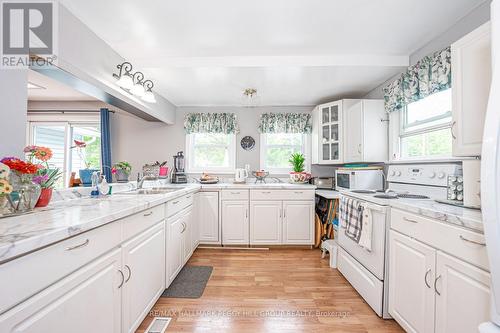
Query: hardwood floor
[280, 290]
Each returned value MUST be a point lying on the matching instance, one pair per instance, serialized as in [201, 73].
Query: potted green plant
[121, 170]
[298, 175]
[85, 174]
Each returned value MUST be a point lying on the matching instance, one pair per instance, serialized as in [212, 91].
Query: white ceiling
[52, 90]
[294, 52]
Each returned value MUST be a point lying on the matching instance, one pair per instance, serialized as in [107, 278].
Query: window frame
[66, 120]
[399, 130]
[306, 150]
[216, 170]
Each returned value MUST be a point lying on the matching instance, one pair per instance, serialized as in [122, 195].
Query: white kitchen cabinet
[471, 77]
[235, 226]
[350, 130]
[411, 276]
[208, 210]
[187, 244]
[195, 223]
[265, 222]
[175, 225]
[88, 300]
[144, 270]
[297, 228]
[463, 301]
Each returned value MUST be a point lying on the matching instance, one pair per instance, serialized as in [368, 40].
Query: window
[276, 148]
[211, 152]
[425, 131]
[59, 135]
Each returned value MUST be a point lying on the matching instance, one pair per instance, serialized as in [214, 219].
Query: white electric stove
[366, 270]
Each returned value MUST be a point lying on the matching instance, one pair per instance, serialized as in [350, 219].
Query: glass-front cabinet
[330, 127]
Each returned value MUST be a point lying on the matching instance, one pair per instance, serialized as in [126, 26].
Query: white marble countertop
[63, 219]
[255, 186]
[328, 194]
[464, 217]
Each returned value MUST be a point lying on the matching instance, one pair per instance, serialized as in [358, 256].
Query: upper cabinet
[471, 77]
[350, 130]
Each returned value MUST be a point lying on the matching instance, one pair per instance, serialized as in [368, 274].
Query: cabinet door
[144, 270]
[462, 295]
[187, 245]
[354, 133]
[298, 222]
[411, 278]
[89, 300]
[174, 247]
[235, 228]
[471, 77]
[265, 222]
[208, 208]
[195, 224]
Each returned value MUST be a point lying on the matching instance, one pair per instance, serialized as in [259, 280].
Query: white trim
[91, 117]
[215, 170]
[306, 150]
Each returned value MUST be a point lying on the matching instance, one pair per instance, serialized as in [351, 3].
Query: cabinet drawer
[134, 224]
[176, 205]
[235, 195]
[282, 194]
[27, 275]
[464, 244]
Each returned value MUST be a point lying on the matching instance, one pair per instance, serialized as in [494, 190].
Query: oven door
[372, 260]
[343, 181]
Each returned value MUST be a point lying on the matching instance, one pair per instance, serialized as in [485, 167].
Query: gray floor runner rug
[189, 283]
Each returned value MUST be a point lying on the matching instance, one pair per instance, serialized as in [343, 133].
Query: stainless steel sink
[153, 190]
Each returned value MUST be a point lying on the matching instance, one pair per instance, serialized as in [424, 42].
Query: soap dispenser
[103, 186]
[95, 181]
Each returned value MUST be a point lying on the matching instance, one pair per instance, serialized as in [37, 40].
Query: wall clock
[247, 143]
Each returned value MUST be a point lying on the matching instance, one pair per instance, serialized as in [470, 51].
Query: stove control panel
[423, 174]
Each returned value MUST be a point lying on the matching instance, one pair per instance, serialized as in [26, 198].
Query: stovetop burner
[412, 196]
[363, 191]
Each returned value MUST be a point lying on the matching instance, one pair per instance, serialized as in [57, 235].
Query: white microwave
[357, 179]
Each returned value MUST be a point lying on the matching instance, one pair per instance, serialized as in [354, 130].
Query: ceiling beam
[345, 60]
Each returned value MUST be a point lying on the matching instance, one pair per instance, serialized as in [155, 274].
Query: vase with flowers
[85, 174]
[5, 190]
[25, 192]
[46, 176]
[121, 170]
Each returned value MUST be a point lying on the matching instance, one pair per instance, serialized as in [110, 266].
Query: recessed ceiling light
[34, 86]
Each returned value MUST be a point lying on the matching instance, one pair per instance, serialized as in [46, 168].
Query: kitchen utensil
[240, 175]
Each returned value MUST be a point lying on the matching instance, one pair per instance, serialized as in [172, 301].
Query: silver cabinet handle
[123, 279]
[71, 248]
[188, 197]
[235, 192]
[184, 226]
[298, 192]
[284, 213]
[129, 273]
[452, 132]
[148, 214]
[425, 278]
[175, 202]
[471, 241]
[246, 213]
[267, 192]
[409, 220]
[435, 285]
[280, 212]
[359, 148]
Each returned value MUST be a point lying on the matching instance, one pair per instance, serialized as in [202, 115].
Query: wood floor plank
[280, 290]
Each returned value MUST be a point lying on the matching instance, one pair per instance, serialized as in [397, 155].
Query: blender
[178, 176]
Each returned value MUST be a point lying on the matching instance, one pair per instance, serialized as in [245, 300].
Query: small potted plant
[121, 170]
[298, 175]
[46, 176]
[85, 174]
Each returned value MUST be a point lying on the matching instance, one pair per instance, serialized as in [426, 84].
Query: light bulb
[138, 90]
[149, 97]
[125, 81]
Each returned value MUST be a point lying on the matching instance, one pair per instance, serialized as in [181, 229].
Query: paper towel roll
[472, 183]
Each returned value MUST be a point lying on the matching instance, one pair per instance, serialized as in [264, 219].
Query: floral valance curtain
[211, 123]
[285, 123]
[430, 75]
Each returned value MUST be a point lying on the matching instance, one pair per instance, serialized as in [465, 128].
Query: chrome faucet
[140, 180]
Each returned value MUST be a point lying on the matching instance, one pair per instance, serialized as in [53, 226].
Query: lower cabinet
[187, 244]
[281, 222]
[431, 291]
[89, 300]
[208, 212]
[235, 226]
[144, 275]
[175, 226]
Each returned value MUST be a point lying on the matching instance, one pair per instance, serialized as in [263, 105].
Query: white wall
[476, 18]
[13, 105]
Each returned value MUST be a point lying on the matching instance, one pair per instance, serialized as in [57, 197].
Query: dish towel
[351, 215]
[365, 240]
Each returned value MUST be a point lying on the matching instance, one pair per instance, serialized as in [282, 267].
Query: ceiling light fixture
[250, 98]
[134, 83]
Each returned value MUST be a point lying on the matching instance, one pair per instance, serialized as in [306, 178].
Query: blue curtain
[105, 145]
